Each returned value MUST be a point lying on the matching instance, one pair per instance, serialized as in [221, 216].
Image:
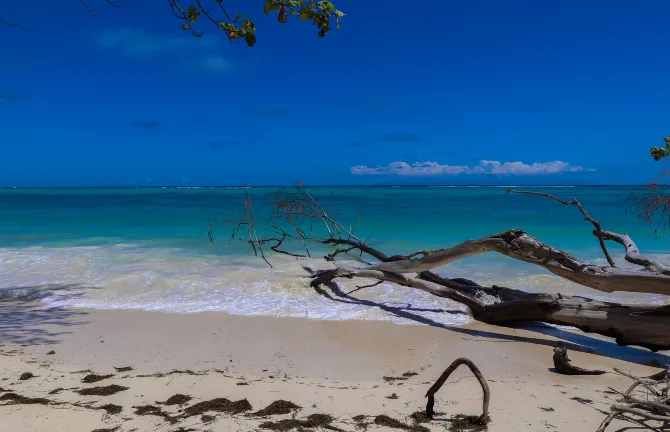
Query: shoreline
[344, 368]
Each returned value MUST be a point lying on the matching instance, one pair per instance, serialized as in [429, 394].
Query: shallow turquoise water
[147, 248]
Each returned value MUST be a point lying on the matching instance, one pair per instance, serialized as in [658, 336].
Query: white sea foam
[132, 276]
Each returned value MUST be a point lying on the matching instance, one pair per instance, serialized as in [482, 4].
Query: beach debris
[221, 405]
[421, 417]
[56, 390]
[312, 421]
[111, 408]
[26, 376]
[278, 407]
[463, 423]
[297, 212]
[482, 419]
[145, 410]
[52, 352]
[172, 372]
[392, 396]
[178, 399]
[92, 378]
[123, 369]
[16, 399]
[102, 391]
[645, 400]
[563, 366]
[114, 429]
[207, 418]
[384, 420]
[403, 377]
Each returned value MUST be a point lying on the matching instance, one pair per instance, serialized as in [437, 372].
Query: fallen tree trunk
[641, 325]
[645, 326]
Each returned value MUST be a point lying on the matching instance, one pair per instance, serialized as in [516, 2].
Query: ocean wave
[134, 276]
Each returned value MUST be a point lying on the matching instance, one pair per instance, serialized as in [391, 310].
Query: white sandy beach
[336, 368]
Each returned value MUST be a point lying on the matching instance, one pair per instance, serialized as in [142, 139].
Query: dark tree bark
[563, 366]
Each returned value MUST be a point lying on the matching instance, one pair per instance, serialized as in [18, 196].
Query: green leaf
[283, 16]
[329, 6]
[239, 16]
[185, 26]
[339, 27]
[250, 38]
[305, 16]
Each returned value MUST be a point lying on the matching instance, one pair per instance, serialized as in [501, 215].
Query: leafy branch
[322, 14]
[660, 152]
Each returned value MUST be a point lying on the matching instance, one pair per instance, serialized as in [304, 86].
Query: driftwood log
[300, 217]
[645, 400]
[563, 366]
[484, 418]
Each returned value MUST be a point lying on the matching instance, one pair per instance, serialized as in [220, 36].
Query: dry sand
[353, 371]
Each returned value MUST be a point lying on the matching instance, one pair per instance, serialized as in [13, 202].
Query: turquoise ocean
[147, 248]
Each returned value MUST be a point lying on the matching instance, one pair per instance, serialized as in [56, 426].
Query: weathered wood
[484, 418]
[641, 325]
[645, 326]
[520, 246]
[563, 366]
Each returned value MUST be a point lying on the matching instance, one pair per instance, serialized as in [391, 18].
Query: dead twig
[588, 217]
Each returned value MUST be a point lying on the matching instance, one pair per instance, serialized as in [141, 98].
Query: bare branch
[358, 288]
[13, 25]
[88, 8]
[633, 253]
[297, 215]
[574, 202]
[484, 418]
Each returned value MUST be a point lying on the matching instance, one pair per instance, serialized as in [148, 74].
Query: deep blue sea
[146, 248]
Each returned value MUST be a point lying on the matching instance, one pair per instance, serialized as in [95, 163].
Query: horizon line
[238, 186]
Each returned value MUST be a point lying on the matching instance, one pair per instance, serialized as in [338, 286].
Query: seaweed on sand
[16, 399]
[278, 407]
[384, 420]
[155, 411]
[92, 378]
[111, 408]
[312, 421]
[463, 423]
[178, 399]
[221, 405]
[102, 391]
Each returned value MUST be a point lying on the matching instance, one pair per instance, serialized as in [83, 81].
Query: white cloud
[185, 49]
[427, 169]
[214, 63]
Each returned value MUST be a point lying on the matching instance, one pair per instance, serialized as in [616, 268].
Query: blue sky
[486, 92]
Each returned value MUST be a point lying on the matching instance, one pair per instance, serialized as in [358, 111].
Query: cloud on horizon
[192, 52]
[487, 167]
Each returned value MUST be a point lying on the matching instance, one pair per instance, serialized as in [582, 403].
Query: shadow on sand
[569, 339]
[26, 321]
